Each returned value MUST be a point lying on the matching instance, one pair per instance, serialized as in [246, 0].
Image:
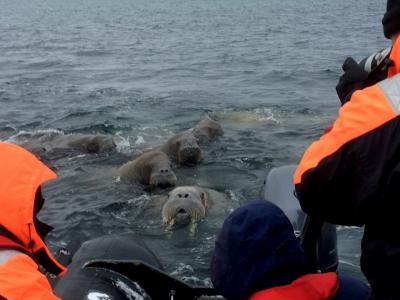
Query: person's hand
[354, 78]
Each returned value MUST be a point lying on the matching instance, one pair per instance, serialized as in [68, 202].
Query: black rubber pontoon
[319, 240]
[121, 267]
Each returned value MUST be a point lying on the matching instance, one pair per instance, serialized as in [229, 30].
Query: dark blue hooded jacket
[256, 249]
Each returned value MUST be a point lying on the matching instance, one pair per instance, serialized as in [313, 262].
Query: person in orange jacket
[23, 252]
[351, 175]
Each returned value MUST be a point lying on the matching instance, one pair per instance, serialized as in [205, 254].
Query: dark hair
[391, 19]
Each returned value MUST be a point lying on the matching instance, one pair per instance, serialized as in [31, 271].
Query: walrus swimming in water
[190, 204]
[183, 149]
[152, 168]
[87, 143]
[90, 143]
[207, 130]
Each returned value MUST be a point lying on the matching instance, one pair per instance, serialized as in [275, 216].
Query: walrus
[190, 204]
[35, 149]
[207, 130]
[87, 143]
[183, 149]
[254, 116]
[152, 168]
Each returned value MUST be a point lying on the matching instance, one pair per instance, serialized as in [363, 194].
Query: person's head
[21, 176]
[256, 249]
[391, 20]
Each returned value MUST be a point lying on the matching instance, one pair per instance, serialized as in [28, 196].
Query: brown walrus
[88, 143]
[183, 149]
[152, 168]
[207, 130]
[190, 204]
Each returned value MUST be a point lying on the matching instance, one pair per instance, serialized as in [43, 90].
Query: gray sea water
[143, 70]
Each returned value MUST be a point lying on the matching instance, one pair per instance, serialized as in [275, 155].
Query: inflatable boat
[123, 267]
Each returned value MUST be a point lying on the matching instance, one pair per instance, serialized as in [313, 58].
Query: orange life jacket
[7, 243]
[21, 174]
[21, 279]
[19, 275]
[308, 287]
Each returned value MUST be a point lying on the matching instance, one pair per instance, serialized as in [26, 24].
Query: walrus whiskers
[171, 222]
[152, 168]
[186, 205]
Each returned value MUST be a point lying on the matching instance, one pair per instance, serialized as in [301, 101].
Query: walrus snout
[163, 178]
[182, 217]
[93, 147]
[92, 143]
[182, 208]
[164, 171]
[104, 144]
[207, 130]
[190, 155]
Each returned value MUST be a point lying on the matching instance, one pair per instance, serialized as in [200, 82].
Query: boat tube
[318, 239]
[121, 267]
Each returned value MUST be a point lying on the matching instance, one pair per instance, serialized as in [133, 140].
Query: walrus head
[93, 143]
[189, 152]
[185, 205]
[100, 144]
[207, 130]
[162, 175]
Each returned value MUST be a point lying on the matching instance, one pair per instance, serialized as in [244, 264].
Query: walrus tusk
[170, 225]
[171, 222]
[193, 228]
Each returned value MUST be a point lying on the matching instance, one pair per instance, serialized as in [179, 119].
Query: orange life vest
[308, 287]
[6, 243]
[21, 174]
[19, 275]
[21, 279]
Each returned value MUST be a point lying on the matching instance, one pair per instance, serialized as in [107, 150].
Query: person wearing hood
[258, 257]
[351, 175]
[23, 252]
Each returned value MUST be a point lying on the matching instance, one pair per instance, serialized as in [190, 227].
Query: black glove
[354, 78]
